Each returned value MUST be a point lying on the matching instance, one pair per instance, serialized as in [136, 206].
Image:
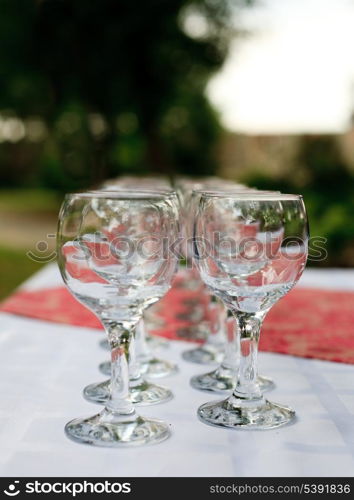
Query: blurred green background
[90, 90]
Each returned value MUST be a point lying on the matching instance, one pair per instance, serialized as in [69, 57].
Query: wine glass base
[104, 344]
[222, 380]
[154, 368]
[157, 368]
[145, 394]
[97, 431]
[105, 368]
[265, 383]
[217, 381]
[245, 415]
[204, 355]
[155, 342]
[142, 394]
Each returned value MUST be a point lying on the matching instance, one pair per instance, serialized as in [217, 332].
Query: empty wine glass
[222, 379]
[250, 274]
[149, 364]
[212, 349]
[111, 247]
[218, 347]
[142, 392]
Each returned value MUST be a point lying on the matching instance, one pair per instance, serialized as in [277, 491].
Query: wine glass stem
[135, 368]
[232, 355]
[143, 353]
[217, 333]
[249, 325]
[119, 337]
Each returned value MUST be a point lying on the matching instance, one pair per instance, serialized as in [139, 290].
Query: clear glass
[142, 392]
[222, 380]
[153, 341]
[149, 365]
[251, 249]
[146, 361]
[212, 350]
[111, 248]
[216, 349]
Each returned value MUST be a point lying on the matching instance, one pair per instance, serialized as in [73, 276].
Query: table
[44, 367]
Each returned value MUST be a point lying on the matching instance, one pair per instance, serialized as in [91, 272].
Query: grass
[29, 201]
[15, 268]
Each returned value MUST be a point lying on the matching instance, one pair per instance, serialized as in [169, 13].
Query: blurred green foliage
[108, 87]
[322, 175]
[91, 89]
[94, 89]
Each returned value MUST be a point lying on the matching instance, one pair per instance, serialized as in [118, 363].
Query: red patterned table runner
[307, 322]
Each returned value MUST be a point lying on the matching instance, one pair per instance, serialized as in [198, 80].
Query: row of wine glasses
[149, 364]
[224, 349]
[250, 248]
[117, 255]
[112, 256]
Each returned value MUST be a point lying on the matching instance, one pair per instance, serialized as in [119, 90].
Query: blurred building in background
[274, 154]
[320, 166]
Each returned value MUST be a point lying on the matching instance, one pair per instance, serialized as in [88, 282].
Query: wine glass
[250, 274]
[145, 362]
[219, 346]
[100, 239]
[211, 351]
[131, 183]
[142, 392]
[145, 343]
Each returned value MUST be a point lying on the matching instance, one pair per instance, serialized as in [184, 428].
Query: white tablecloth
[44, 367]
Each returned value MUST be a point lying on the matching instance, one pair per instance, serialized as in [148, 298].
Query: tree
[120, 84]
